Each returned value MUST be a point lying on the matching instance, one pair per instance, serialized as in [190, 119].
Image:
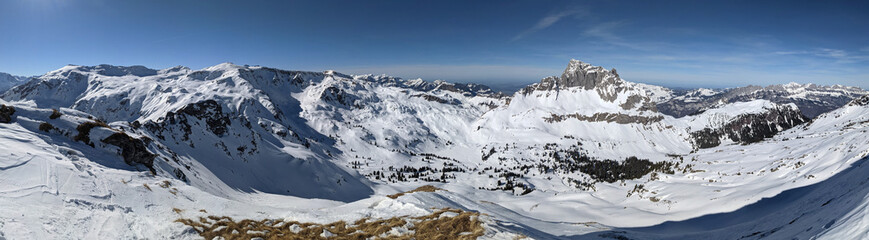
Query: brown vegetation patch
[55, 114]
[46, 127]
[442, 224]
[426, 188]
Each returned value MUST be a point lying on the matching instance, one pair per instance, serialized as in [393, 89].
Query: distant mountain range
[8, 81]
[813, 100]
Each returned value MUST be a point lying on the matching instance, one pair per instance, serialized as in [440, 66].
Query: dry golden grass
[459, 225]
[426, 188]
[520, 237]
[147, 187]
[176, 210]
[165, 184]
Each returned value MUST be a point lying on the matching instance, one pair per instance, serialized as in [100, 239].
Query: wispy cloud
[548, 20]
[607, 33]
[838, 55]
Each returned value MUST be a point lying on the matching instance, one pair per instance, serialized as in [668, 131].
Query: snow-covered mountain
[570, 156]
[8, 81]
[813, 100]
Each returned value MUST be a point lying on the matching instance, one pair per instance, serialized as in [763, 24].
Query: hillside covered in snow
[8, 81]
[125, 151]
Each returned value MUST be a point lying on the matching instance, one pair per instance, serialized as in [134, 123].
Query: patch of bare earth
[441, 224]
[426, 188]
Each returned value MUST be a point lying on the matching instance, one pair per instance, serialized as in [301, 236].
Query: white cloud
[548, 20]
[833, 53]
[839, 55]
[790, 52]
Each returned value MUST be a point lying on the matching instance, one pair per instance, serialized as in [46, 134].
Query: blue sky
[670, 43]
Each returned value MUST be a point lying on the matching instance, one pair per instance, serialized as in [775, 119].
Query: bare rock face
[133, 150]
[6, 113]
[580, 74]
[606, 83]
[436, 99]
[212, 112]
[340, 97]
[584, 75]
[209, 110]
[607, 117]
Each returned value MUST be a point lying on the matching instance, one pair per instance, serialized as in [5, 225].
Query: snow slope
[8, 81]
[570, 156]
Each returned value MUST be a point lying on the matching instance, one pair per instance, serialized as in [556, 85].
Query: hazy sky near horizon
[669, 43]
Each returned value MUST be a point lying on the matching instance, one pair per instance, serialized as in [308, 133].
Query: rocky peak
[606, 83]
[860, 101]
[580, 74]
[585, 76]
[337, 74]
[175, 69]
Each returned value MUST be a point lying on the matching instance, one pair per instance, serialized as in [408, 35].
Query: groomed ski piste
[259, 143]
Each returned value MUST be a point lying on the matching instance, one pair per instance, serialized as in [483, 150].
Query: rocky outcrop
[6, 113]
[133, 150]
[211, 112]
[619, 118]
[861, 101]
[436, 99]
[338, 96]
[645, 104]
